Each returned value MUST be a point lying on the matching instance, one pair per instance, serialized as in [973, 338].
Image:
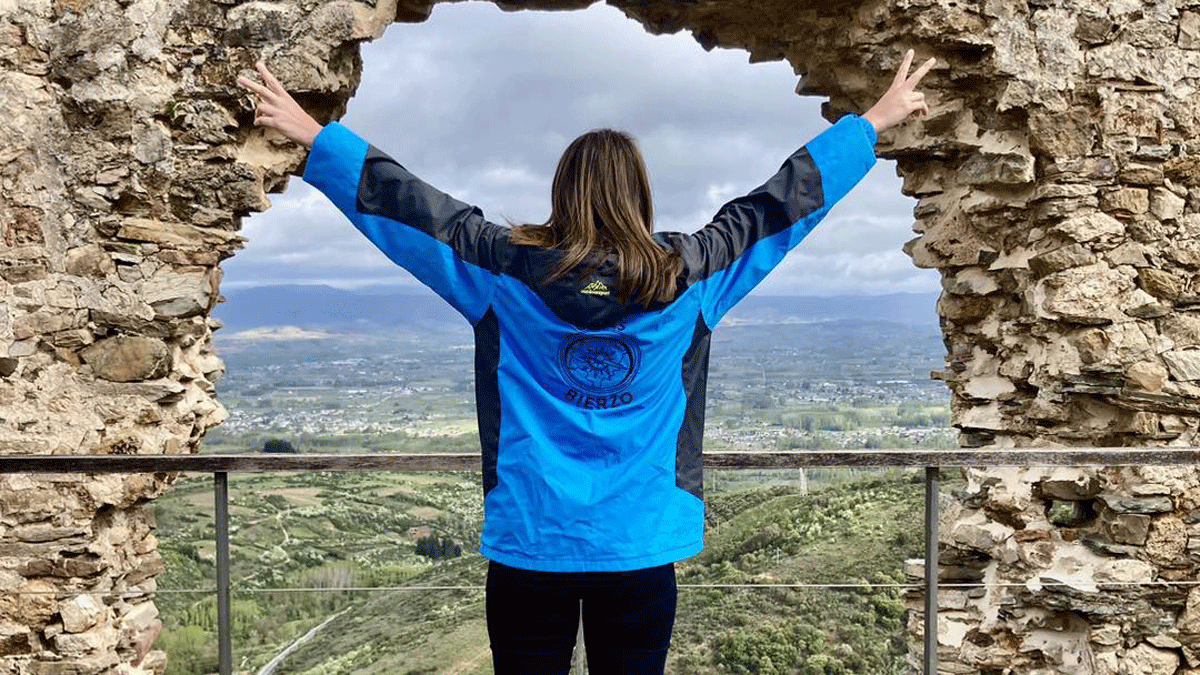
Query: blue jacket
[591, 411]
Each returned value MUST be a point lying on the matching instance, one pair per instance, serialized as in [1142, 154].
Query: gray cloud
[480, 103]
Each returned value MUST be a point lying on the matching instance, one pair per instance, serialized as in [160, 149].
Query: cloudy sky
[480, 103]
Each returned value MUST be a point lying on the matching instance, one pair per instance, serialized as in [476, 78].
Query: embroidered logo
[599, 364]
[597, 287]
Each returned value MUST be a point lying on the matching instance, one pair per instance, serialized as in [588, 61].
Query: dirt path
[274, 663]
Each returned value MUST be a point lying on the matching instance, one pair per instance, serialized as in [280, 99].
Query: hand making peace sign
[901, 99]
[278, 110]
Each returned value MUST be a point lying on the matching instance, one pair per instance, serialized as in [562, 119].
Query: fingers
[918, 105]
[254, 87]
[921, 72]
[269, 77]
[902, 73]
[271, 86]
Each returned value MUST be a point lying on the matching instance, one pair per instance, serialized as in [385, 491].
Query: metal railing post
[224, 624]
[580, 654]
[931, 569]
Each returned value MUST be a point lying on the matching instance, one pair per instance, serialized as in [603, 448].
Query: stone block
[139, 627]
[1174, 424]
[1163, 641]
[963, 309]
[1064, 135]
[16, 640]
[1147, 660]
[32, 604]
[1062, 258]
[1082, 294]
[1105, 635]
[46, 321]
[986, 168]
[1102, 545]
[89, 260]
[988, 387]
[1160, 283]
[163, 390]
[1128, 253]
[1089, 226]
[1189, 620]
[1129, 113]
[1135, 173]
[1189, 30]
[1184, 365]
[1069, 483]
[1184, 170]
[154, 663]
[1146, 376]
[128, 359]
[1149, 33]
[23, 348]
[104, 662]
[1124, 572]
[80, 613]
[970, 281]
[1152, 504]
[173, 234]
[1167, 541]
[1182, 328]
[1142, 305]
[1125, 528]
[1126, 200]
[74, 645]
[1166, 205]
[44, 532]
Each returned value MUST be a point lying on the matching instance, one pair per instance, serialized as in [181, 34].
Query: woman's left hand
[901, 99]
[278, 110]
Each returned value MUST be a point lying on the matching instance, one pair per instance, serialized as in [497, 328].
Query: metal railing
[932, 461]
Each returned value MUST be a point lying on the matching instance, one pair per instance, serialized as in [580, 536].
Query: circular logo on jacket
[599, 363]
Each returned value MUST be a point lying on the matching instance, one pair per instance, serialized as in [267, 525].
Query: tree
[435, 548]
[278, 445]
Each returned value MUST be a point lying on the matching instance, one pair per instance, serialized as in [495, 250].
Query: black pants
[533, 617]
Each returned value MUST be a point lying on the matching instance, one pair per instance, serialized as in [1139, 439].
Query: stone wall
[1058, 187]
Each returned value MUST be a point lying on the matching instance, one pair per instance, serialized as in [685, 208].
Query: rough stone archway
[1058, 181]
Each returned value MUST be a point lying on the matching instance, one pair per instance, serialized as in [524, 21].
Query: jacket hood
[587, 301]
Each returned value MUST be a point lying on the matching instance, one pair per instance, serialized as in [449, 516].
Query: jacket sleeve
[446, 244]
[750, 235]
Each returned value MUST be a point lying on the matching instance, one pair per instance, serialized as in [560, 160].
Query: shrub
[278, 445]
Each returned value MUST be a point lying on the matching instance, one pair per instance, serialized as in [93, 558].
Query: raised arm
[750, 235]
[445, 243]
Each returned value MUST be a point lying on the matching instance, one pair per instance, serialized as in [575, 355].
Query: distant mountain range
[392, 310]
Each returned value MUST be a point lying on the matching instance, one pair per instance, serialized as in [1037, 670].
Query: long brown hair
[601, 205]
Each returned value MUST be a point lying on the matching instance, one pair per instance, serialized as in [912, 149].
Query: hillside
[350, 531]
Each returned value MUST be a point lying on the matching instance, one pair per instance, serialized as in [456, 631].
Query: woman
[591, 341]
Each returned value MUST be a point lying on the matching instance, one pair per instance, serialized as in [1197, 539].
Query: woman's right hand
[901, 99]
[278, 110]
